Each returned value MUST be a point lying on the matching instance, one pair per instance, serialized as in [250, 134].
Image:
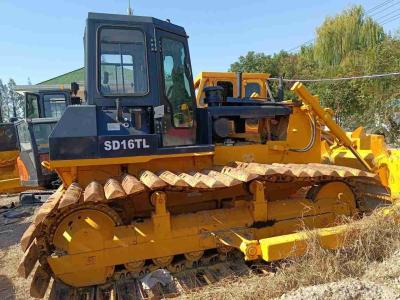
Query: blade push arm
[313, 102]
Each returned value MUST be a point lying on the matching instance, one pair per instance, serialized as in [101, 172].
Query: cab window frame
[98, 61]
[191, 85]
[46, 95]
[252, 83]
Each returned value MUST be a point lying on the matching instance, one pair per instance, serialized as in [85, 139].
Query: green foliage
[343, 34]
[11, 103]
[348, 44]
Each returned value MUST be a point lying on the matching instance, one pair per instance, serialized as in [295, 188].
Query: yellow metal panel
[185, 233]
[204, 79]
[295, 244]
[9, 176]
[120, 160]
[11, 185]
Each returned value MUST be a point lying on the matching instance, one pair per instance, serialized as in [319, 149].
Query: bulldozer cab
[139, 90]
[143, 67]
[141, 97]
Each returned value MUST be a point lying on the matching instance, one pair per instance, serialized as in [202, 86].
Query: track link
[181, 283]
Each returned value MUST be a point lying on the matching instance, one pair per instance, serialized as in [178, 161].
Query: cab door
[33, 136]
[177, 110]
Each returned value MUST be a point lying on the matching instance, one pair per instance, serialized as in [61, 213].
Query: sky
[42, 39]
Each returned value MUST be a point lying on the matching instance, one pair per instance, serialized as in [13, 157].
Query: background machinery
[9, 152]
[152, 178]
[27, 138]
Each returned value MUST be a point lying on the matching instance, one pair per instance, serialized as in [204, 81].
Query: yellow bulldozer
[155, 177]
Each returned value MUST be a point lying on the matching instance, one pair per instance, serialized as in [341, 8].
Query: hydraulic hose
[312, 139]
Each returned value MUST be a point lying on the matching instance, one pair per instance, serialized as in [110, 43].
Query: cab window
[176, 82]
[123, 67]
[54, 105]
[41, 133]
[32, 107]
[252, 87]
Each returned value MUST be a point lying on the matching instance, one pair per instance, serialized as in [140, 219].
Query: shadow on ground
[10, 234]
[7, 289]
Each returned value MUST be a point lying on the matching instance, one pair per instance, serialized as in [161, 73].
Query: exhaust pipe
[239, 83]
[281, 93]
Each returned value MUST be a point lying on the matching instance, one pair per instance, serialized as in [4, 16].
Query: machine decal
[126, 145]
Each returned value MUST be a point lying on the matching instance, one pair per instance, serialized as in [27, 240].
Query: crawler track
[115, 197]
[181, 283]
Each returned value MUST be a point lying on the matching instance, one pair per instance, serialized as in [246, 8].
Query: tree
[348, 44]
[15, 100]
[1, 101]
[11, 103]
[349, 31]
[4, 101]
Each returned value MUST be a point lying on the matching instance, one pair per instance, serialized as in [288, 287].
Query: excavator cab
[33, 139]
[46, 104]
[43, 109]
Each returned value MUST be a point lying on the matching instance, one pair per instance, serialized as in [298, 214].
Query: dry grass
[367, 241]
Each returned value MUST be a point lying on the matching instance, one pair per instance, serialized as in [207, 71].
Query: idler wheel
[84, 231]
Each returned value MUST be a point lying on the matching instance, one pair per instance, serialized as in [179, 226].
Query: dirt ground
[382, 281]
[11, 230]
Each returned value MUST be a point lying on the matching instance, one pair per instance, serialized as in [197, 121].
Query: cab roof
[114, 18]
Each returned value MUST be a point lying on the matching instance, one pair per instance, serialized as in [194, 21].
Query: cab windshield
[123, 67]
